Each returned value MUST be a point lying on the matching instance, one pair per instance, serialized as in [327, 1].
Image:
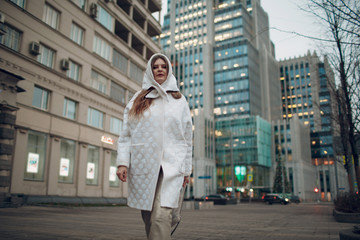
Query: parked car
[218, 199]
[271, 198]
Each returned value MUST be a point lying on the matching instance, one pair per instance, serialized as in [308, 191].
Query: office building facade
[247, 97]
[308, 88]
[187, 38]
[74, 65]
[233, 80]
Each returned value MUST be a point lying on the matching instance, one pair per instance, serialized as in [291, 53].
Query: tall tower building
[188, 38]
[75, 64]
[247, 96]
[308, 88]
[234, 78]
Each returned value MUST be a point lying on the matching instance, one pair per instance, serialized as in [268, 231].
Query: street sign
[250, 178]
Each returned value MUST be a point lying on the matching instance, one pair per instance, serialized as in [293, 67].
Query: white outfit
[161, 138]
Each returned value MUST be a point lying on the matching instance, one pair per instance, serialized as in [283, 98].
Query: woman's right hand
[122, 173]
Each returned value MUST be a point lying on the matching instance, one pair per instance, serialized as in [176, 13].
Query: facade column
[53, 166]
[81, 170]
[8, 94]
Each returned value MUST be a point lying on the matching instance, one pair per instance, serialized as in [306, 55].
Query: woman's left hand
[186, 181]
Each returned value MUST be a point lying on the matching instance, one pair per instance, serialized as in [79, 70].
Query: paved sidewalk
[253, 221]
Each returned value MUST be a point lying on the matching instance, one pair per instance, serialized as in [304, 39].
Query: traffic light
[316, 190]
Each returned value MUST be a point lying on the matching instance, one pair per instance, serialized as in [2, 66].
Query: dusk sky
[286, 16]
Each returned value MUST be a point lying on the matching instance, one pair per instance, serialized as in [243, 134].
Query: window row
[46, 54]
[95, 118]
[36, 159]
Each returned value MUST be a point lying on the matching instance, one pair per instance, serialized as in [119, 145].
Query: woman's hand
[186, 181]
[122, 173]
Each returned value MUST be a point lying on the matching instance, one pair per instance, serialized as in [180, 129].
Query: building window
[46, 56]
[36, 153]
[117, 93]
[102, 48]
[40, 98]
[95, 118]
[136, 73]
[51, 16]
[80, 3]
[120, 61]
[74, 71]
[77, 34]
[11, 38]
[67, 159]
[98, 81]
[69, 109]
[115, 125]
[130, 96]
[104, 18]
[20, 3]
[113, 179]
[92, 167]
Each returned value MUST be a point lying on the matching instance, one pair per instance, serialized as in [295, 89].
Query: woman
[155, 147]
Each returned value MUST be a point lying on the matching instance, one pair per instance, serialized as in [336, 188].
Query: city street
[256, 221]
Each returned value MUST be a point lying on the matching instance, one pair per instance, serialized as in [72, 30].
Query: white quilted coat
[161, 138]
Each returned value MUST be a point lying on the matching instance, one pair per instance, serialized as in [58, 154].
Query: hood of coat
[160, 90]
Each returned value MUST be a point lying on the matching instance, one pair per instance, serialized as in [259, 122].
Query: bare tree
[341, 43]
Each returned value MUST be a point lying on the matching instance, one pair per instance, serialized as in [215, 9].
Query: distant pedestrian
[155, 147]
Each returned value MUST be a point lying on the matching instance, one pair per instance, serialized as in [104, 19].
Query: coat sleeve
[188, 138]
[124, 141]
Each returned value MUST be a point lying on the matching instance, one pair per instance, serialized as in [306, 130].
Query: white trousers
[158, 221]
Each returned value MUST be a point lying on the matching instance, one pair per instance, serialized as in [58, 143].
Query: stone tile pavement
[255, 221]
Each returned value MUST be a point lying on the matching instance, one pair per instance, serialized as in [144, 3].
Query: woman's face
[160, 70]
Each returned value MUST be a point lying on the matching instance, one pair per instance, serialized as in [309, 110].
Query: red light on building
[316, 190]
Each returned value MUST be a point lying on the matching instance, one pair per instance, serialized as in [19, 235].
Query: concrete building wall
[50, 122]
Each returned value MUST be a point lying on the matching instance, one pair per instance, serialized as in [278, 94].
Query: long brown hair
[141, 103]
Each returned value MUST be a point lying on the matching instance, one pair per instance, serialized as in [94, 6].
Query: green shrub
[348, 203]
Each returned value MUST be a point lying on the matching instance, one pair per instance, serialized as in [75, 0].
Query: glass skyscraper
[247, 96]
[225, 64]
[308, 92]
[187, 38]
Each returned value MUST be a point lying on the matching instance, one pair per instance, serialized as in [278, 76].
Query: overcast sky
[286, 16]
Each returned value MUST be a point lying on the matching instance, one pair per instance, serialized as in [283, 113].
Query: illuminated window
[92, 166]
[113, 179]
[67, 160]
[36, 155]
